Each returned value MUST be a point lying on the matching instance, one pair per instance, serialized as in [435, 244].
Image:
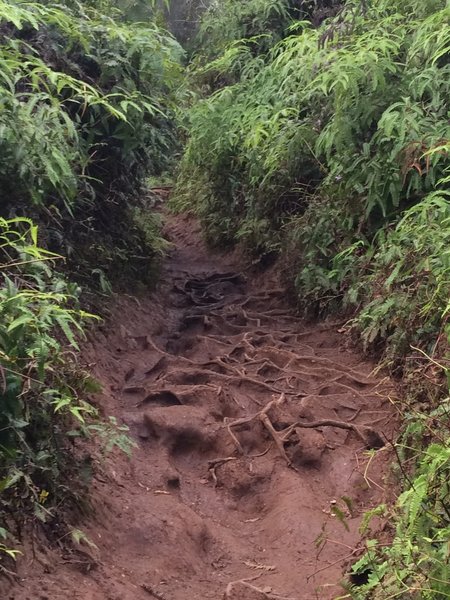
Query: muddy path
[251, 428]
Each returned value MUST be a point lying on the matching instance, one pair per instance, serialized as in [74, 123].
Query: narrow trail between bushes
[254, 431]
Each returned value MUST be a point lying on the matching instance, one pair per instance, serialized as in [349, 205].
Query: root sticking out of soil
[250, 427]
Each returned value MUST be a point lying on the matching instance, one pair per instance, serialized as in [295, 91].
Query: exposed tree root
[179, 376]
[150, 590]
[261, 352]
[246, 583]
[261, 416]
[215, 464]
[369, 436]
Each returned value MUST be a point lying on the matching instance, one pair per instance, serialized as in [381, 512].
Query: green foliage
[412, 265]
[40, 387]
[334, 147]
[230, 21]
[5, 550]
[87, 102]
[416, 563]
[263, 22]
[87, 115]
[43, 407]
[112, 435]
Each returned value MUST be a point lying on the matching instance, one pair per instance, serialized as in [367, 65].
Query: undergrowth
[87, 116]
[323, 138]
[42, 387]
[333, 147]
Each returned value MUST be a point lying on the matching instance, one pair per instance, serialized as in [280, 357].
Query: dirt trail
[251, 428]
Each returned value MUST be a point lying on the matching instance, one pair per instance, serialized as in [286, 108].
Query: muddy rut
[261, 442]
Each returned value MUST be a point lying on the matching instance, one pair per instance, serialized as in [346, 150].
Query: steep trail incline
[251, 428]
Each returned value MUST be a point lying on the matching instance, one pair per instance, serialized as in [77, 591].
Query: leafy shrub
[87, 117]
[326, 142]
[412, 266]
[231, 21]
[41, 387]
[265, 22]
[416, 563]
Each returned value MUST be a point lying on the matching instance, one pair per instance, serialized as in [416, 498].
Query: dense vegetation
[87, 101]
[86, 118]
[321, 132]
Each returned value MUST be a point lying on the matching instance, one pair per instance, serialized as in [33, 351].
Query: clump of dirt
[251, 429]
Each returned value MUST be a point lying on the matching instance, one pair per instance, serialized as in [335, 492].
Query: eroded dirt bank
[251, 427]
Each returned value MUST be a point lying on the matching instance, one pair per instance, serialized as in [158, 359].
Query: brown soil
[251, 428]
